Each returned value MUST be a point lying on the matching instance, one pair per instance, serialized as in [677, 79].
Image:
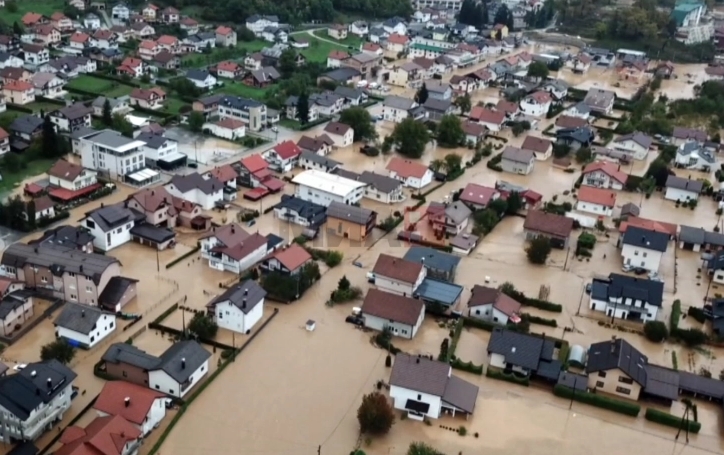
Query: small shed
[574, 381]
[311, 325]
[577, 356]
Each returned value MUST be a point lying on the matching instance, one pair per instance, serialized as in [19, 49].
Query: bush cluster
[612, 404]
[664, 418]
[501, 376]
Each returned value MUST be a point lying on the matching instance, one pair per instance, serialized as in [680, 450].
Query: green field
[43, 106]
[111, 89]
[219, 54]
[245, 91]
[172, 105]
[44, 7]
[11, 180]
[351, 40]
[318, 50]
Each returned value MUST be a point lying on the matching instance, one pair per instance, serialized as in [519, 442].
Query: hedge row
[499, 375]
[165, 314]
[622, 407]
[183, 256]
[470, 367]
[539, 320]
[479, 324]
[120, 80]
[664, 418]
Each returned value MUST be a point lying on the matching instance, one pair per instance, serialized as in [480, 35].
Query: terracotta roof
[147, 94]
[397, 269]
[651, 225]
[541, 97]
[132, 62]
[287, 150]
[147, 44]
[104, 435]
[584, 58]
[102, 34]
[189, 21]
[477, 194]
[244, 248]
[293, 257]
[566, 121]
[112, 400]
[507, 106]
[481, 114]
[373, 47]
[548, 223]
[43, 203]
[3, 134]
[525, 56]
[483, 295]
[18, 86]
[600, 196]
[44, 30]
[228, 66]
[167, 40]
[5, 283]
[58, 16]
[254, 163]
[230, 123]
[396, 38]
[406, 168]
[392, 307]
[65, 170]
[536, 144]
[223, 30]
[31, 18]
[338, 55]
[474, 129]
[151, 199]
[224, 173]
[608, 168]
[79, 37]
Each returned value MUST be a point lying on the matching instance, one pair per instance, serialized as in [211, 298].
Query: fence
[19, 334]
[75, 419]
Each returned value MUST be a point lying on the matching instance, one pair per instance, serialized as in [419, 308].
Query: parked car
[588, 288]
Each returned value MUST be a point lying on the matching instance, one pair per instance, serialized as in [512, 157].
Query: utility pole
[233, 346]
[183, 323]
[575, 381]
[158, 264]
[319, 450]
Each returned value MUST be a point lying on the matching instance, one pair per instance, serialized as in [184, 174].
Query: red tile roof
[338, 55]
[599, 196]
[483, 295]
[244, 248]
[18, 86]
[3, 134]
[132, 62]
[228, 66]
[566, 121]
[407, 168]
[477, 194]
[651, 225]
[230, 123]
[548, 223]
[79, 37]
[507, 106]
[31, 18]
[148, 44]
[372, 47]
[396, 38]
[254, 163]
[224, 173]
[104, 435]
[392, 307]
[536, 144]
[287, 150]
[5, 284]
[397, 269]
[223, 30]
[608, 168]
[43, 203]
[112, 400]
[292, 257]
[481, 114]
[541, 97]
[167, 40]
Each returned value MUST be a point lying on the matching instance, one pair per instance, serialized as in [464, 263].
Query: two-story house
[287, 261]
[48, 85]
[133, 67]
[34, 55]
[604, 174]
[72, 118]
[450, 219]
[694, 156]
[225, 36]
[636, 145]
[105, 39]
[251, 112]
[193, 187]
[239, 308]
[142, 407]
[283, 157]
[397, 276]
[643, 248]
[625, 297]
[19, 92]
[398, 314]
[152, 98]
[83, 325]
[536, 104]
[111, 225]
[72, 177]
[413, 174]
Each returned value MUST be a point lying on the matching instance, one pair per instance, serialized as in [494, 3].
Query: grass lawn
[44, 106]
[318, 50]
[219, 54]
[291, 124]
[351, 40]
[11, 180]
[45, 7]
[103, 87]
[173, 105]
[243, 90]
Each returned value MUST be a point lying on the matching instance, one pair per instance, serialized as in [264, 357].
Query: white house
[412, 173]
[110, 225]
[695, 157]
[298, 211]
[195, 188]
[112, 153]
[70, 176]
[396, 108]
[341, 134]
[83, 325]
[283, 157]
[120, 12]
[257, 23]
[626, 297]
[492, 305]
[681, 189]
[397, 275]
[380, 188]
[240, 255]
[92, 22]
[142, 407]
[181, 367]
[643, 248]
[228, 128]
[239, 308]
[598, 201]
[604, 174]
[201, 79]
[427, 388]
[401, 315]
[225, 236]
[636, 145]
[323, 188]
[536, 104]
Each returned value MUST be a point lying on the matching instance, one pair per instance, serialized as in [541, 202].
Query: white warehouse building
[323, 189]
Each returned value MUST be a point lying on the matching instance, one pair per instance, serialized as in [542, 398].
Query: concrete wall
[610, 383]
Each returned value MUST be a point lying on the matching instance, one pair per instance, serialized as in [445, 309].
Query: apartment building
[112, 153]
[252, 113]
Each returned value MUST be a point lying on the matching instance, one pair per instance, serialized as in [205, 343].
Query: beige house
[349, 221]
[60, 271]
[16, 308]
[164, 210]
[616, 368]
[225, 36]
[19, 92]
[337, 31]
[152, 98]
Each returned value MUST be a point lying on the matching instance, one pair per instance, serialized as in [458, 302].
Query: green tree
[538, 70]
[17, 29]
[343, 284]
[244, 34]
[11, 6]
[196, 121]
[184, 87]
[453, 162]
[59, 350]
[484, 221]
[303, 108]
[375, 415]
[437, 165]
[515, 203]
[11, 163]
[420, 448]
[538, 250]
[517, 129]
[287, 63]
[203, 326]
[584, 155]
[656, 331]
[51, 143]
[411, 138]
[422, 94]
[450, 131]
[30, 214]
[659, 171]
[464, 103]
[360, 120]
[107, 117]
[122, 125]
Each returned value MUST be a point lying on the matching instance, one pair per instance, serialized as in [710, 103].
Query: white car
[20, 366]
[362, 84]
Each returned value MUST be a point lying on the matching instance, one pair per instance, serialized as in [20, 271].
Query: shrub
[612, 404]
[478, 324]
[690, 337]
[675, 316]
[656, 331]
[184, 256]
[331, 258]
[470, 367]
[375, 414]
[697, 314]
[664, 418]
[532, 319]
[499, 375]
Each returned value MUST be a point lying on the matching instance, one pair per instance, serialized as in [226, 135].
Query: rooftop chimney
[417, 360]
[127, 401]
[153, 192]
[33, 374]
[102, 205]
[243, 303]
[613, 344]
[183, 363]
[50, 383]
[36, 250]
[82, 312]
[246, 291]
[80, 268]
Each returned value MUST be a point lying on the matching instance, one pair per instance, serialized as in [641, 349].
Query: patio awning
[256, 194]
[273, 183]
[68, 195]
[144, 175]
[33, 188]
[174, 157]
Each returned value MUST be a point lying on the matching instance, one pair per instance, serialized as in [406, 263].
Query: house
[651, 225]
[643, 248]
[132, 67]
[635, 145]
[101, 150]
[83, 325]
[598, 201]
[541, 148]
[438, 90]
[693, 239]
[228, 128]
[555, 227]
[232, 70]
[16, 306]
[298, 211]
[380, 188]
[580, 110]
[142, 30]
[499, 32]
[161, 152]
[413, 174]
[152, 98]
[157, 205]
[61, 22]
[71, 177]
[477, 197]
[409, 74]
[251, 112]
[320, 145]
[169, 43]
[110, 226]
[175, 372]
[557, 88]
[341, 76]
[283, 157]
[141, 407]
[189, 25]
[275, 34]
[517, 161]
[616, 368]
[681, 135]
[436, 109]
[523, 354]
[205, 192]
[121, 12]
[397, 43]
[439, 265]
[536, 104]
[493, 305]
[288, 261]
[201, 79]
[24, 130]
[694, 156]
[91, 21]
[395, 25]
[349, 221]
[8, 60]
[341, 134]
[72, 118]
[490, 119]
[30, 19]
[225, 36]
[398, 276]
[47, 34]
[199, 42]
[681, 189]
[396, 108]
[239, 308]
[48, 85]
[323, 188]
[565, 122]
[77, 238]
[262, 77]
[59, 271]
[30, 413]
[291, 109]
[359, 28]
[325, 104]
[474, 132]
[402, 316]
[19, 92]
[581, 63]
[575, 138]
[257, 23]
[364, 63]
[4, 142]
[170, 15]
[451, 220]
[43, 207]
[336, 57]
[226, 236]
[118, 105]
[604, 174]
[337, 31]
[600, 100]
[425, 388]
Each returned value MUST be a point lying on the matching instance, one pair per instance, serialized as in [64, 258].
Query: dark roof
[624, 286]
[694, 235]
[69, 236]
[684, 184]
[420, 374]
[437, 291]
[24, 448]
[186, 183]
[75, 111]
[341, 74]
[27, 124]
[153, 233]
[548, 223]
[392, 307]
[351, 213]
[153, 140]
[182, 359]
[681, 132]
[114, 291]
[110, 217]
[583, 135]
[461, 394]
[643, 238]
[573, 381]
[315, 214]
[379, 182]
[314, 157]
[701, 385]
[618, 353]
[432, 258]
[520, 349]
[434, 104]
[12, 302]
[197, 75]
[38, 383]
[244, 296]
[78, 318]
[662, 382]
[349, 92]
[131, 355]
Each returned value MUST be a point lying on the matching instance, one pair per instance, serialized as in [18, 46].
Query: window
[625, 380]
[599, 384]
[157, 387]
[623, 390]
[644, 254]
[601, 374]
[44, 279]
[125, 375]
[88, 289]
[636, 253]
[111, 326]
[93, 338]
[419, 397]
[171, 391]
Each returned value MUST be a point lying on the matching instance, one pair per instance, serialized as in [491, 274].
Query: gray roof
[40, 382]
[694, 235]
[420, 374]
[58, 259]
[114, 291]
[618, 353]
[12, 302]
[398, 102]
[435, 86]
[315, 214]
[458, 212]
[432, 258]
[461, 394]
[437, 291]
[520, 349]
[342, 74]
[351, 213]
[266, 74]
[627, 287]
[701, 385]
[690, 148]
[244, 296]
[638, 137]
[694, 186]
[78, 318]
[182, 359]
[582, 108]
[364, 57]
[197, 75]
[131, 355]
[112, 139]
[68, 236]
[599, 98]
[379, 182]
[152, 140]
[75, 111]
[662, 382]
[643, 238]
[239, 103]
[573, 381]
[434, 104]
[349, 92]
[319, 159]
[324, 99]
[101, 100]
[185, 183]
[110, 217]
[630, 209]
[681, 132]
[27, 124]
[517, 155]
